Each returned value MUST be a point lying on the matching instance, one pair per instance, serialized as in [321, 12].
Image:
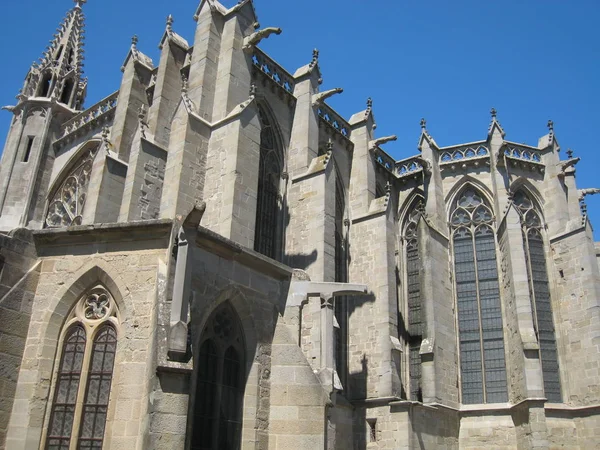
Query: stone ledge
[228, 249]
[81, 234]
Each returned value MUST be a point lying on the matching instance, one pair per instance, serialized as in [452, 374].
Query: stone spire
[58, 73]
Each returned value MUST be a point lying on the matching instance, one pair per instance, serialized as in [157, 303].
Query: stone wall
[577, 314]
[19, 273]
[124, 259]
[487, 429]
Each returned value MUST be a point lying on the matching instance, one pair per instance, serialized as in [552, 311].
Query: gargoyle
[319, 98]
[258, 36]
[8, 108]
[589, 191]
[564, 165]
[382, 140]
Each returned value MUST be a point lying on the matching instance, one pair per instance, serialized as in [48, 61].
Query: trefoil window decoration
[267, 239]
[83, 381]
[66, 206]
[220, 379]
[416, 325]
[481, 335]
[540, 294]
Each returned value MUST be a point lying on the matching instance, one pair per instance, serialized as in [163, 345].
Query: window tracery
[481, 335]
[66, 206]
[84, 377]
[217, 421]
[267, 228]
[540, 294]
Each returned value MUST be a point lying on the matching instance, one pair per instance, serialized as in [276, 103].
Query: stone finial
[315, 58]
[369, 103]
[134, 41]
[494, 113]
[551, 133]
[423, 124]
[253, 90]
[388, 188]
[79, 3]
[569, 153]
[170, 21]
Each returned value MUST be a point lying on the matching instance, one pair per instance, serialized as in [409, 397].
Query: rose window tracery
[97, 305]
[66, 206]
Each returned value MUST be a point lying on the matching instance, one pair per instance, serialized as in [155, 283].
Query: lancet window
[217, 421]
[540, 293]
[66, 206]
[341, 276]
[83, 381]
[267, 237]
[481, 335]
[415, 322]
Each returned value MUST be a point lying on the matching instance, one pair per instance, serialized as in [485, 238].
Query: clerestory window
[416, 325]
[540, 294]
[341, 276]
[83, 381]
[481, 334]
[267, 239]
[220, 380]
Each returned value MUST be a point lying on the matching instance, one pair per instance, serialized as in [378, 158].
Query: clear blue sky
[447, 61]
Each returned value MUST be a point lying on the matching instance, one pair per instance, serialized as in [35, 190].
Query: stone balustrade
[86, 118]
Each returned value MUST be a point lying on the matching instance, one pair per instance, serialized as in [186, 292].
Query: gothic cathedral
[212, 258]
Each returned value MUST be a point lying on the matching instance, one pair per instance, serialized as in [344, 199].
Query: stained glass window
[85, 417]
[267, 230]
[67, 203]
[219, 395]
[67, 386]
[98, 389]
[481, 334]
[540, 294]
[415, 307]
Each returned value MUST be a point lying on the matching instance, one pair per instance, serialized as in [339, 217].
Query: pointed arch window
[83, 381]
[267, 235]
[540, 294]
[44, 89]
[481, 335]
[66, 205]
[341, 276]
[415, 322]
[220, 379]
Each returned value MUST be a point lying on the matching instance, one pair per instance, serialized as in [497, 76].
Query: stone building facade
[212, 258]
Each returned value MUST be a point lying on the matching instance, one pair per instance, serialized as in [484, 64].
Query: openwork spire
[58, 73]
